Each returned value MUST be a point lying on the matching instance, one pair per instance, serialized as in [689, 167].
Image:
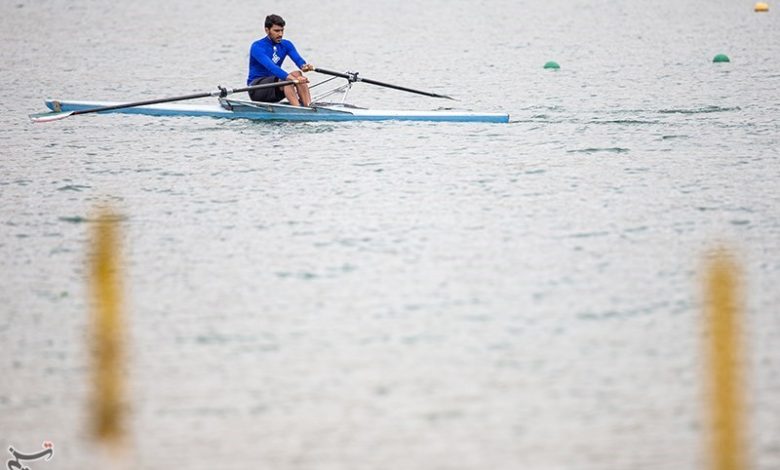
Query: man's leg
[302, 90]
[291, 95]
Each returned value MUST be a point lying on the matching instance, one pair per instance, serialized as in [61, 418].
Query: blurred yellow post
[725, 358]
[107, 402]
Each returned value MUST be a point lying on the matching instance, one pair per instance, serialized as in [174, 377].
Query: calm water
[395, 295]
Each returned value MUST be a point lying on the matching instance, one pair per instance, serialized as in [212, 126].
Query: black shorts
[268, 95]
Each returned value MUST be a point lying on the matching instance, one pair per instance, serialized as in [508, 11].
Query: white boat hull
[239, 109]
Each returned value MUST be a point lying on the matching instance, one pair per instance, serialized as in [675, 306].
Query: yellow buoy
[108, 406]
[761, 6]
[724, 322]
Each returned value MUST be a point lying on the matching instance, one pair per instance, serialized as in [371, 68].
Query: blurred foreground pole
[108, 408]
[725, 358]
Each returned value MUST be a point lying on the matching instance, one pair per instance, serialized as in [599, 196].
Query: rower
[265, 59]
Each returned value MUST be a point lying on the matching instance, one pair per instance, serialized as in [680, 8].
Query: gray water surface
[395, 295]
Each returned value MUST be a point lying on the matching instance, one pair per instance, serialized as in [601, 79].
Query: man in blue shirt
[265, 59]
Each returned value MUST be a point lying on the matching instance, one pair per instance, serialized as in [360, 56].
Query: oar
[47, 117]
[353, 77]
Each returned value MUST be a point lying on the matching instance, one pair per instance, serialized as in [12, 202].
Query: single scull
[320, 110]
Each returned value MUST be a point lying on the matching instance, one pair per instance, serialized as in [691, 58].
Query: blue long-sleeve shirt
[266, 57]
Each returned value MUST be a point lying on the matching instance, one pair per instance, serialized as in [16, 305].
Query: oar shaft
[401, 88]
[142, 103]
[194, 96]
[355, 77]
[335, 74]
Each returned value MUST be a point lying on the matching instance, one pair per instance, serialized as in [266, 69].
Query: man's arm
[296, 57]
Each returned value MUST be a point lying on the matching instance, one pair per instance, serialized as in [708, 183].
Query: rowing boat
[255, 110]
[319, 110]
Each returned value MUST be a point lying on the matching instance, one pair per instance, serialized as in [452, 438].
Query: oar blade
[446, 97]
[49, 117]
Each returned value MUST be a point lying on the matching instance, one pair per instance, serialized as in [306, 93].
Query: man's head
[274, 28]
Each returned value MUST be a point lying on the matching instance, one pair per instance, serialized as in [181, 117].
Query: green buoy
[721, 58]
[552, 65]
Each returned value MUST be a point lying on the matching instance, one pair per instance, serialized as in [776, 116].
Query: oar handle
[353, 77]
[223, 92]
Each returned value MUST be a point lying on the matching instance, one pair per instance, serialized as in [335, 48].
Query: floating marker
[721, 58]
[761, 7]
[552, 65]
[723, 318]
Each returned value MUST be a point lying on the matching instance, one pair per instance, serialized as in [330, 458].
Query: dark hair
[271, 20]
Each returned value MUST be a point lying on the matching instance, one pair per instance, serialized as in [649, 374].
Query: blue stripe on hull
[319, 114]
